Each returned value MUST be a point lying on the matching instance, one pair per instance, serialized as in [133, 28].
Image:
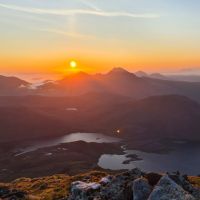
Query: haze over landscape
[99, 100]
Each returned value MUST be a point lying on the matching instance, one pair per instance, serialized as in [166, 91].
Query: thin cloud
[77, 12]
[90, 5]
[69, 34]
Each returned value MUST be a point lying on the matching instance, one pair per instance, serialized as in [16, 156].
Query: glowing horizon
[149, 35]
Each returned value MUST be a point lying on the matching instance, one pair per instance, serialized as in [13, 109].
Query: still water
[186, 159]
[73, 137]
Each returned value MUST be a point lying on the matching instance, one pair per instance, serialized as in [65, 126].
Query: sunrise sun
[73, 64]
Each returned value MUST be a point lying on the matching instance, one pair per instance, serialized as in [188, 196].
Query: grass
[58, 186]
[195, 181]
[50, 187]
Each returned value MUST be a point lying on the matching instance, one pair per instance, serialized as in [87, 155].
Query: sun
[73, 64]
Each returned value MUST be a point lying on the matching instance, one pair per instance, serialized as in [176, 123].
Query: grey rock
[106, 180]
[141, 189]
[10, 194]
[83, 191]
[117, 187]
[167, 189]
[120, 188]
[186, 185]
[135, 185]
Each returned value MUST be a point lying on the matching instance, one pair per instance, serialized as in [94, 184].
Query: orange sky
[136, 35]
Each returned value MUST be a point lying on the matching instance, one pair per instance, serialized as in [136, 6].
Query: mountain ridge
[121, 82]
[117, 81]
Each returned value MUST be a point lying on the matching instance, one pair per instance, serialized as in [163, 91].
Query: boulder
[167, 189]
[83, 191]
[141, 189]
[186, 185]
[153, 178]
[8, 194]
[120, 188]
[135, 185]
[106, 180]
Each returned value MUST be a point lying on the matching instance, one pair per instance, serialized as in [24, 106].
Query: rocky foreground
[130, 185]
[136, 185]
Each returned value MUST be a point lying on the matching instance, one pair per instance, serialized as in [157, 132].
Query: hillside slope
[130, 185]
[158, 117]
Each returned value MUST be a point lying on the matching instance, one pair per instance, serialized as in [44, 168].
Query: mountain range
[144, 113]
[148, 107]
[117, 81]
[170, 77]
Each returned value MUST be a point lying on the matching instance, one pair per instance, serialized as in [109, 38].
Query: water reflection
[73, 137]
[185, 159]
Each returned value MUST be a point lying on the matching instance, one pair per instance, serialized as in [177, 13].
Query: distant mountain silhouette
[153, 75]
[12, 85]
[119, 71]
[118, 81]
[188, 78]
[171, 77]
[121, 82]
[159, 76]
[141, 74]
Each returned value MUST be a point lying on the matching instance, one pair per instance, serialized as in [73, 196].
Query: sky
[42, 36]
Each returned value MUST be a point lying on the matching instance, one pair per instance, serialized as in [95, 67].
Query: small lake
[73, 137]
[185, 158]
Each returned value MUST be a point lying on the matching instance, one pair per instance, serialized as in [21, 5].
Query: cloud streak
[68, 12]
[90, 5]
[69, 34]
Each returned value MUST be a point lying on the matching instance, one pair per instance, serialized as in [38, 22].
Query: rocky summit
[136, 185]
[129, 185]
